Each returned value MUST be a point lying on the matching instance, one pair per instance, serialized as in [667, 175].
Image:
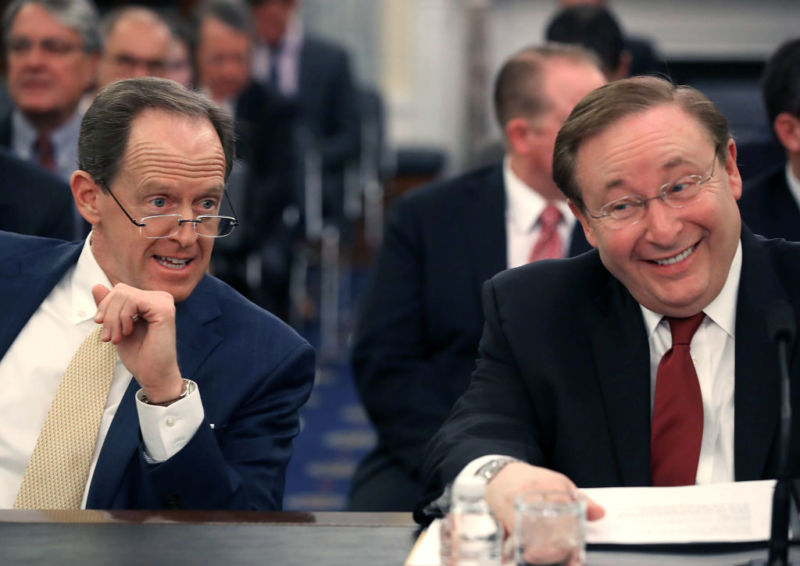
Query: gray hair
[232, 13]
[133, 12]
[78, 15]
[106, 126]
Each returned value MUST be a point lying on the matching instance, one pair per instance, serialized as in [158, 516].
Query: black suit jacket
[33, 201]
[768, 207]
[563, 380]
[417, 332]
[329, 101]
[265, 132]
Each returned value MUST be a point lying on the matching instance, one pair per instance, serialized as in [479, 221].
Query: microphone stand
[780, 321]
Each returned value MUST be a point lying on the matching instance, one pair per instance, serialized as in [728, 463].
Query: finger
[594, 511]
[129, 318]
[99, 293]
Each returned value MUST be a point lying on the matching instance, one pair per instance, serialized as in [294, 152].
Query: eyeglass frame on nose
[21, 46]
[181, 220]
[663, 195]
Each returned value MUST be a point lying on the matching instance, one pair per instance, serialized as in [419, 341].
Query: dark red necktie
[677, 429]
[44, 153]
[548, 245]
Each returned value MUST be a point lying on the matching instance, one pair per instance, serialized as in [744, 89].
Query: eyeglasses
[128, 63]
[629, 210]
[166, 225]
[20, 46]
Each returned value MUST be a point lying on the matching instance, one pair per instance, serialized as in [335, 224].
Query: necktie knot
[683, 329]
[550, 217]
[45, 154]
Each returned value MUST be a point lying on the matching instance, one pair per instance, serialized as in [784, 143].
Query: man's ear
[588, 231]
[86, 192]
[787, 130]
[732, 170]
[518, 132]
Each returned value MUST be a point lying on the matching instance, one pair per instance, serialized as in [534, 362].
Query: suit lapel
[622, 353]
[756, 394]
[26, 282]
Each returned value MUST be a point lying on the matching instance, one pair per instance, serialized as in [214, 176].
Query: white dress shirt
[32, 369]
[713, 351]
[288, 59]
[64, 140]
[523, 207]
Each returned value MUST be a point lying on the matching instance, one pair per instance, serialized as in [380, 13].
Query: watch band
[187, 388]
[491, 468]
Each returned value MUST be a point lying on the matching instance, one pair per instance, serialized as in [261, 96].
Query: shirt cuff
[472, 468]
[165, 430]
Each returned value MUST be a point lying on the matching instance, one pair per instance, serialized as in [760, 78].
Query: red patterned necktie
[44, 153]
[548, 245]
[677, 428]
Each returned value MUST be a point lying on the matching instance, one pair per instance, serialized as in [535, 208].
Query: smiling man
[578, 382]
[154, 158]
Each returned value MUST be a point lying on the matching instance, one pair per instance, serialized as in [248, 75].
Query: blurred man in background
[416, 336]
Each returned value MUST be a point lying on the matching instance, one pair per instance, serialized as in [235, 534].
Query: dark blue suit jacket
[768, 207]
[33, 201]
[563, 379]
[417, 331]
[252, 372]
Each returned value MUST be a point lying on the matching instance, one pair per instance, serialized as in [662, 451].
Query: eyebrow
[668, 166]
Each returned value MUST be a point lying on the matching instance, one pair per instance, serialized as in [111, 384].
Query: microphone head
[780, 321]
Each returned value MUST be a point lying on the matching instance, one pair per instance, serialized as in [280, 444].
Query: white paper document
[718, 513]
[722, 512]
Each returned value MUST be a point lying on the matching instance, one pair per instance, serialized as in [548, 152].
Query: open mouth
[171, 262]
[676, 258]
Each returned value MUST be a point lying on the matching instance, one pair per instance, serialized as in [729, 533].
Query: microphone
[781, 328]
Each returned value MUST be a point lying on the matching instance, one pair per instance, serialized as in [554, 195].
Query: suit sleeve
[241, 462]
[406, 384]
[494, 416]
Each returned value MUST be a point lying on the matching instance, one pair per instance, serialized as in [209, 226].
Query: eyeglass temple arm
[233, 210]
[119, 204]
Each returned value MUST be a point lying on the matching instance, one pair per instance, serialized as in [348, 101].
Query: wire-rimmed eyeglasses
[166, 225]
[630, 209]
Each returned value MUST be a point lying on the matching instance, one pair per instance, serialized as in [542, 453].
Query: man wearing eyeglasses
[203, 403]
[136, 43]
[647, 362]
[52, 50]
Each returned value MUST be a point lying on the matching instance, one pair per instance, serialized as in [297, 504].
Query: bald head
[136, 44]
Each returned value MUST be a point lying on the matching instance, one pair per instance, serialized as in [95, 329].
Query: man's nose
[663, 222]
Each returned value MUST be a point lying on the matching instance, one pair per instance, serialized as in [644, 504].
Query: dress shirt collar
[87, 274]
[722, 310]
[793, 183]
[524, 204]
[64, 140]
[293, 39]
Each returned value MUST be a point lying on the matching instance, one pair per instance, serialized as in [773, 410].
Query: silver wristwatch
[491, 468]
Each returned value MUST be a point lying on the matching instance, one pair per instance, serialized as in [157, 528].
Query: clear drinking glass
[549, 528]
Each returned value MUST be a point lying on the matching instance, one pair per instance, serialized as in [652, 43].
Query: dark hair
[518, 87]
[107, 123]
[78, 15]
[614, 101]
[232, 13]
[593, 27]
[780, 82]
